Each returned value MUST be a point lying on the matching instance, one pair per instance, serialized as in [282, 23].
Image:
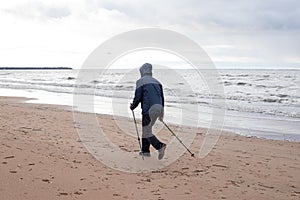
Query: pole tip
[192, 155]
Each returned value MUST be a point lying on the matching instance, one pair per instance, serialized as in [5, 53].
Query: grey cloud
[265, 30]
[38, 10]
[259, 15]
[57, 12]
[234, 14]
[195, 14]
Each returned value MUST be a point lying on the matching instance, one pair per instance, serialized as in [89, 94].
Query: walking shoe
[161, 152]
[146, 154]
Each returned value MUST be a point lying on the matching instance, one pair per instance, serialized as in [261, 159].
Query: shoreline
[275, 128]
[268, 135]
[41, 158]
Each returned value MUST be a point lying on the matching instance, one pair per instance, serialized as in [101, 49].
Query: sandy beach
[41, 157]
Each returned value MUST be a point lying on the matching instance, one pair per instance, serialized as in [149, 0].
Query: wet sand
[41, 157]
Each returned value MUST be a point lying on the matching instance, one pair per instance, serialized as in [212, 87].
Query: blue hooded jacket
[149, 91]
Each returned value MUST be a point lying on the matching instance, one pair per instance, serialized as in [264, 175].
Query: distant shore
[36, 68]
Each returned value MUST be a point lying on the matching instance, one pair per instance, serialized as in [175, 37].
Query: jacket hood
[146, 69]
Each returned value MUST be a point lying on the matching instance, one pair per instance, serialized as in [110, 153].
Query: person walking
[149, 92]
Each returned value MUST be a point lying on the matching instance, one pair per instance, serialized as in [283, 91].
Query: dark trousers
[147, 139]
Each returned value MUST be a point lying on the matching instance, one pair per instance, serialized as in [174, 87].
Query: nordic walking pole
[137, 132]
[178, 138]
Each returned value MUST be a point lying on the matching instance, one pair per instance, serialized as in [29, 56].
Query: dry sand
[42, 158]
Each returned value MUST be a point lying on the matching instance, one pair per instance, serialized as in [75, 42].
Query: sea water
[262, 103]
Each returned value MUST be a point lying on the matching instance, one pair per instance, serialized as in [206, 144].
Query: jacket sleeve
[162, 101]
[138, 96]
[162, 96]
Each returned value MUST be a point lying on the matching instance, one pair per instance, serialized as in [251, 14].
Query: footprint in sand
[8, 157]
[62, 194]
[46, 180]
[78, 193]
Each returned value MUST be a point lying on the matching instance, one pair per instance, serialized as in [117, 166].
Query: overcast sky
[234, 33]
